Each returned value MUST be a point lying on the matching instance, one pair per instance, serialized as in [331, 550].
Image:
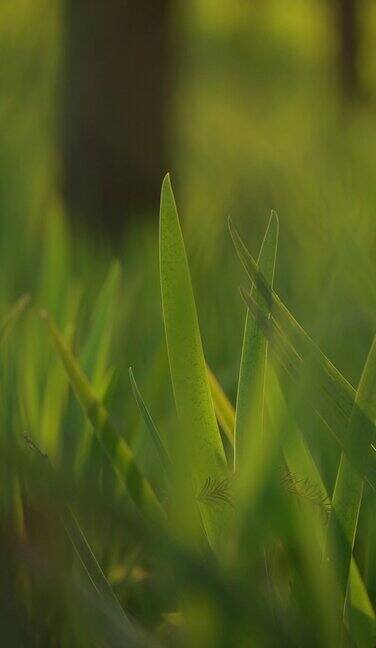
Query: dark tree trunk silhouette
[117, 92]
[349, 47]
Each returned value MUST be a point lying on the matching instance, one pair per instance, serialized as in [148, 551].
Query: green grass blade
[348, 491]
[114, 444]
[110, 621]
[300, 462]
[94, 356]
[94, 360]
[251, 386]
[150, 426]
[359, 449]
[200, 434]
[223, 409]
[343, 393]
[116, 626]
[12, 316]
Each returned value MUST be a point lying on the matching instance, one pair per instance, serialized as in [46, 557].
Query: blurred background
[251, 105]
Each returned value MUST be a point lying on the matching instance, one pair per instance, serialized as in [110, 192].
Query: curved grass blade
[223, 408]
[12, 316]
[342, 392]
[116, 626]
[300, 462]
[251, 386]
[359, 449]
[361, 616]
[158, 443]
[118, 451]
[348, 491]
[94, 356]
[110, 618]
[200, 436]
[94, 360]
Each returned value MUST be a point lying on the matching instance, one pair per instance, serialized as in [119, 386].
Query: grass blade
[94, 356]
[107, 616]
[150, 426]
[12, 316]
[359, 449]
[223, 408]
[200, 434]
[300, 462]
[348, 491]
[251, 386]
[343, 393]
[114, 444]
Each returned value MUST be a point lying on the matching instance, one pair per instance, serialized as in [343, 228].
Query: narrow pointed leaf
[348, 491]
[108, 617]
[340, 389]
[150, 426]
[300, 462]
[114, 444]
[359, 449]
[94, 356]
[251, 387]
[200, 434]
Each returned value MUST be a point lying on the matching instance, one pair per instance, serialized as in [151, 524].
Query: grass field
[166, 508]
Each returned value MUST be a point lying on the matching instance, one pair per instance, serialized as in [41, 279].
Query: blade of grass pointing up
[300, 462]
[251, 387]
[114, 444]
[348, 491]
[94, 356]
[336, 394]
[359, 449]
[200, 435]
[158, 443]
[110, 620]
[94, 360]
[342, 392]
[335, 401]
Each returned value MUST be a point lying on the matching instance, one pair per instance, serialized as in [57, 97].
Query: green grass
[136, 529]
[152, 542]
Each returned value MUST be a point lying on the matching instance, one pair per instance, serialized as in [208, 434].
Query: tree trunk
[117, 95]
[349, 45]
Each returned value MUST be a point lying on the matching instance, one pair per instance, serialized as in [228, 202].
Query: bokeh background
[250, 105]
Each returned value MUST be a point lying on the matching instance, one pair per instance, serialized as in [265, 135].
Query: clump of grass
[243, 553]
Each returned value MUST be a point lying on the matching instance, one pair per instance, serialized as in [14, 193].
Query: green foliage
[113, 443]
[200, 435]
[190, 550]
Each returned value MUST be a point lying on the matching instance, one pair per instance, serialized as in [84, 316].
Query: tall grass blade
[249, 420]
[114, 444]
[359, 450]
[300, 463]
[108, 618]
[348, 491]
[94, 360]
[342, 392]
[200, 434]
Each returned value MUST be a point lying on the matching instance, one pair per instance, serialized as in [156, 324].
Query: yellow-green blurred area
[256, 121]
